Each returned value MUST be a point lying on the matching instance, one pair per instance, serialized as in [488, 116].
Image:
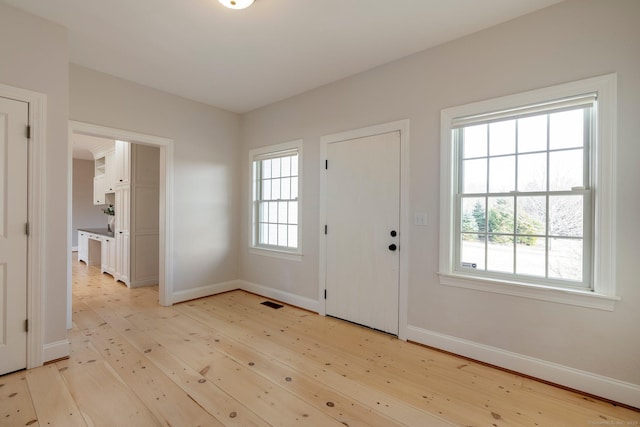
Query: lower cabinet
[83, 247]
[108, 258]
[122, 258]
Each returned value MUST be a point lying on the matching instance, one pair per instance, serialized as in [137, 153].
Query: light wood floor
[228, 360]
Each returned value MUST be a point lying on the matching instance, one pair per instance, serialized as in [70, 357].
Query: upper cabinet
[123, 162]
[110, 172]
[98, 190]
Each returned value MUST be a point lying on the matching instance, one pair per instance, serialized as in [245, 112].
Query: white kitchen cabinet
[110, 172]
[83, 246]
[123, 162]
[98, 190]
[108, 252]
[122, 223]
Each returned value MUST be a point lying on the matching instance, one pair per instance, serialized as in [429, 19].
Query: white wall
[84, 213]
[35, 57]
[206, 163]
[570, 41]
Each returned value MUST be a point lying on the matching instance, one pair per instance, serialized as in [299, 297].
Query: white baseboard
[286, 297]
[204, 291]
[597, 385]
[55, 350]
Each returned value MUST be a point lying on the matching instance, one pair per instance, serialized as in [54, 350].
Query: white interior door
[14, 116]
[363, 218]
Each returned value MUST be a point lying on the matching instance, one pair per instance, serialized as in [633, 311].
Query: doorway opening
[165, 146]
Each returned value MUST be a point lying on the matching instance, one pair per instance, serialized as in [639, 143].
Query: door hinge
[325, 294]
[26, 325]
[325, 229]
[28, 132]
[26, 228]
[326, 164]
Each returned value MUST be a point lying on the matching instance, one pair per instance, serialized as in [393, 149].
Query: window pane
[294, 165]
[475, 176]
[502, 174]
[266, 168]
[266, 189]
[275, 168]
[282, 212]
[273, 234]
[532, 172]
[566, 129]
[273, 212]
[293, 212]
[294, 188]
[530, 257]
[500, 254]
[282, 235]
[262, 212]
[285, 192]
[292, 236]
[502, 138]
[472, 251]
[565, 259]
[275, 189]
[500, 215]
[473, 215]
[474, 141]
[566, 215]
[285, 166]
[532, 214]
[532, 134]
[566, 170]
[263, 238]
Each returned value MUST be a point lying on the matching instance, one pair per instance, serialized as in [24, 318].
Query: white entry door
[14, 116]
[363, 218]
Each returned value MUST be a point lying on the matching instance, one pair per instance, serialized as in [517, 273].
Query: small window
[275, 200]
[526, 191]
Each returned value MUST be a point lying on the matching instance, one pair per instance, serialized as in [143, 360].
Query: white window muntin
[603, 158]
[275, 200]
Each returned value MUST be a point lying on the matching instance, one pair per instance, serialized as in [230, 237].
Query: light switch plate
[420, 218]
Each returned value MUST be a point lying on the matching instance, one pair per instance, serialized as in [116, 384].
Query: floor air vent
[272, 304]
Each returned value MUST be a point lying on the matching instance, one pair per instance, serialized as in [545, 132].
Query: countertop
[101, 231]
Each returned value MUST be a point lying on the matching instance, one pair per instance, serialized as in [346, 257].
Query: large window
[525, 190]
[275, 174]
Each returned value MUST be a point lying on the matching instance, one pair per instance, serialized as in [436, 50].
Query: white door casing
[14, 119]
[363, 226]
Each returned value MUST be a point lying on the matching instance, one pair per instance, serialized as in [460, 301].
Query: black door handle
[393, 247]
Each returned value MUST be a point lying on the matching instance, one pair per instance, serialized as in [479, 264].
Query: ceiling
[240, 60]
[86, 146]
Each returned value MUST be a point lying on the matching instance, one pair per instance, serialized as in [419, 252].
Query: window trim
[263, 153]
[602, 296]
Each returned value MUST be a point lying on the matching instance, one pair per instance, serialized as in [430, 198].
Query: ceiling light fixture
[236, 4]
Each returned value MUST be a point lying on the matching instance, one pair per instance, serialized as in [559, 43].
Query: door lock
[393, 247]
[394, 233]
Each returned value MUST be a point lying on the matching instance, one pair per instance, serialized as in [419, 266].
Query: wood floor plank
[375, 399]
[453, 397]
[170, 404]
[114, 405]
[16, 407]
[52, 400]
[325, 399]
[227, 410]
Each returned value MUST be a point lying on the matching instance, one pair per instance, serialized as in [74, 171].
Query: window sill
[274, 253]
[564, 296]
